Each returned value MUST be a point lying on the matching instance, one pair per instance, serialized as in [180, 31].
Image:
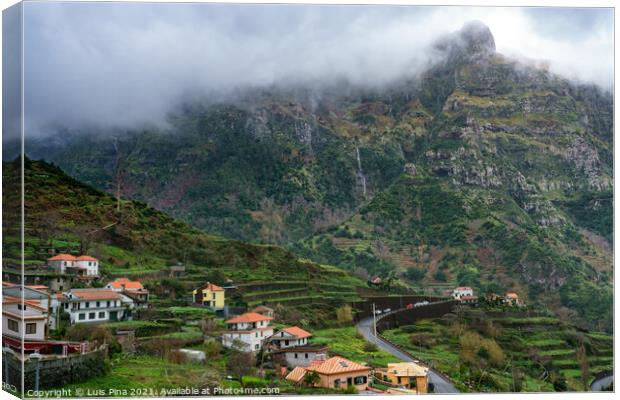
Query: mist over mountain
[126, 66]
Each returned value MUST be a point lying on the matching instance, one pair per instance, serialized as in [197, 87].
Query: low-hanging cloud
[116, 64]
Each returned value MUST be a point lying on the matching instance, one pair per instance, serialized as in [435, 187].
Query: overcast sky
[128, 63]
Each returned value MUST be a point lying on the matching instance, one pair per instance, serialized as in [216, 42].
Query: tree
[517, 379]
[582, 357]
[311, 378]
[240, 362]
[344, 314]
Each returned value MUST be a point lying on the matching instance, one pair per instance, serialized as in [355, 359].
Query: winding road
[365, 327]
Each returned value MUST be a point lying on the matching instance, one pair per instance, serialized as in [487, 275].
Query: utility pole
[374, 321]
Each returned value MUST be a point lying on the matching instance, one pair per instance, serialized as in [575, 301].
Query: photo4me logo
[146, 392]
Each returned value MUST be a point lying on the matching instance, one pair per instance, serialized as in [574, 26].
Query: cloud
[122, 64]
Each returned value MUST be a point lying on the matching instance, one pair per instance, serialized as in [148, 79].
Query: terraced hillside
[491, 350]
[138, 241]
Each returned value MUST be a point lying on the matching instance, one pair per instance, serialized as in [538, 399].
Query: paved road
[599, 384]
[441, 385]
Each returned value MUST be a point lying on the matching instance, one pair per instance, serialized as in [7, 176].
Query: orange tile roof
[512, 295]
[248, 318]
[210, 286]
[38, 287]
[296, 375]
[62, 257]
[336, 365]
[126, 283]
[86, 258]
[95, 294]
[297, 332]
[15, 300]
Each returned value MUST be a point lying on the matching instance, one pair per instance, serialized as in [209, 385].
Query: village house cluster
[465, 295]
[61, 302]
[43, 307]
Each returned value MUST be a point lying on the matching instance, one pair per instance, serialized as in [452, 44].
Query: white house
[89, 264]
[85, 266]
[138, 295]
[93, 305]
[462, 291]
[27, 318]
[250, 330]
[289, 337]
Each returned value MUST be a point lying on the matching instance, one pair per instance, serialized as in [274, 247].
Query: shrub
[370, 347]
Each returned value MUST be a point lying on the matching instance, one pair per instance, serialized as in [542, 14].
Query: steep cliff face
[484, 170]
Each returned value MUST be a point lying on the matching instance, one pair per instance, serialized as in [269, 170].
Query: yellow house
[210, 295]
[407, 374]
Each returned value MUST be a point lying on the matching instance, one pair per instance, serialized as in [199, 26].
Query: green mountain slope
[137, 240]
[482, 169]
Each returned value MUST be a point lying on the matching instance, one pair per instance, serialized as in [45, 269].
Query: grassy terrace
[347, 343]
[482, 353]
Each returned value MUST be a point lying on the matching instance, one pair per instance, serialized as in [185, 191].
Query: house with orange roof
[292, 336]
[94, 305]
[335, 373]
[210, 295]
[84, 266]
[512, 298]
[26, 319]
[132, 289]
[290, 347]
[462, 291]
[247, 332]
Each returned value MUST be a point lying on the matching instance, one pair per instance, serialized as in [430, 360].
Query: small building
[512, 298]
[247, 331]
[462, 291]
[176, 271]
[467, 299]
[210, 295]
[376, 280]
[93, 305]
[84, 266]
[335, 372]
[264, 310]
[289, 337]
[408, 374]
[26, 319]
[133, 289]
[300, 356]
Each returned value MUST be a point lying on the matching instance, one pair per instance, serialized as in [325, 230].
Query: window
[66, 305]
[286, 342]
[256, 334]
[82, 316]
[31, 328]
[256, 347]
[359, 380]
[21, 306]
[101, 314]
[306, 355]
[337, 383]
[295, 355]
[98, 304]
[92, 315]
[108, 304]
[13, 325]
[87, 304]
[213, 296]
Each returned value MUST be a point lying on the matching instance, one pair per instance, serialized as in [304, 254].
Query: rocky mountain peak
[472, 42]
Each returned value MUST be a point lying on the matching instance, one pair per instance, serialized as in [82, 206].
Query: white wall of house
[285, 340]
[300, 359]
[60, 266]
[458, 293]
[252, 340]
[32, 326]
[93, 310]
[92, 267]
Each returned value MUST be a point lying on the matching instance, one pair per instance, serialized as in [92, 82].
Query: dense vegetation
[136, 240]
[502, 349]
